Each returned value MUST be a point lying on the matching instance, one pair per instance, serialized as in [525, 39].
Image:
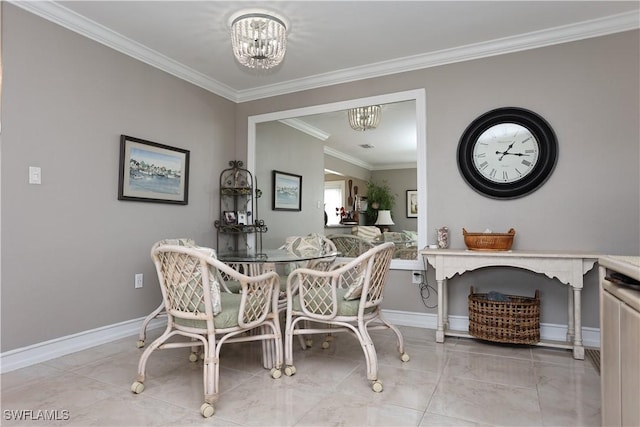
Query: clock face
[507, 153]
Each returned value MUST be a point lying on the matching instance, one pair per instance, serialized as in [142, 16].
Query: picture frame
[242, 218]
[412, 203]
[230, 217]
[287, 191]
[152, 172]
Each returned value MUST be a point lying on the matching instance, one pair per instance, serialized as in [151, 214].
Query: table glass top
[273, 255]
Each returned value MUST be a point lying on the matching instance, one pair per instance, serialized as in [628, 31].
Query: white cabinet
[620, 343]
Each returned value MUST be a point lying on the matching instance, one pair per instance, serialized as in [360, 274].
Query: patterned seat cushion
[367, 232]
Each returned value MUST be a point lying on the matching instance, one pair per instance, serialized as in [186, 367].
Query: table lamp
[384, 220]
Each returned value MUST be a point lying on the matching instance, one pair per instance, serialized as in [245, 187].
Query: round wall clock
[507, 153]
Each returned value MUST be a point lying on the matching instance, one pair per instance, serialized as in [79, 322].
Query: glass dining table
[274, 256]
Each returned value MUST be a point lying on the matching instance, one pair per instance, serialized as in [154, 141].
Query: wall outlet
[416, 277]
[139, 280]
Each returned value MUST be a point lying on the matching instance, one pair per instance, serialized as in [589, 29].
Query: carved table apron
[568, 267]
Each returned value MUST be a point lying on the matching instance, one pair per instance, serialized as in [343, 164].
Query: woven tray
[516, 321]
[489, 241]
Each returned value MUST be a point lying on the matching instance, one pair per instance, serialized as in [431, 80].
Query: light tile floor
[463, 382]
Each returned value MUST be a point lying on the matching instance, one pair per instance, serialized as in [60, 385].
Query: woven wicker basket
[516, 321]
[489, 241]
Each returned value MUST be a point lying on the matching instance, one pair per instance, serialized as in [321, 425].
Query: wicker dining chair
[344, 299]
[349, 245]
[159, 312]
[300, 244]
[197, 309]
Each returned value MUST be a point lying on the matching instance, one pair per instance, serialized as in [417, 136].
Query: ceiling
[331, 42]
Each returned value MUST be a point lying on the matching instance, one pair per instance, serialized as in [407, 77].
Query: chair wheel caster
[207, 410]
[290, 370]
[377, 386]
[309, 343]
[276, 373]
[325, 345]
[193, 357]
[405, 357]
[137, 387]
[140, 343]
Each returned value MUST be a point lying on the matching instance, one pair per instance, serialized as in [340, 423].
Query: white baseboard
[548, 331]
[47, 350]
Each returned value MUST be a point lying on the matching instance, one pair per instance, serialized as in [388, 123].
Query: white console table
[568, 267]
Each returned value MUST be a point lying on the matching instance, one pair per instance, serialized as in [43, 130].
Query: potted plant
[380, 197]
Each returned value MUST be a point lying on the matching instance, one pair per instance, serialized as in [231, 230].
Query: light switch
[35, 175]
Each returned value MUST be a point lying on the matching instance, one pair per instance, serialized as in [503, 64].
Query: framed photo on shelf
[230, 217]
[287, 191]
[412, 203]
[152, 172]
[242, 218]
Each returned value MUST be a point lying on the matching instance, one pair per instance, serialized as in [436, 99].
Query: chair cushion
[413, 235]
[179, 242]
[303, 246]
[226, 318]
[233, 286]
[345, 307]
[214, 279]
[367, 232]
[354, 290]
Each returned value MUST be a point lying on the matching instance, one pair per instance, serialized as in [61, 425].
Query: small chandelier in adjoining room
[258, 38]
[364, 118]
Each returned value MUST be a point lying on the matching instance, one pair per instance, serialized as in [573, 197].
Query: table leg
[577, 282]
[578, 348]
[268, 350]
[441, 310]
[571, 312]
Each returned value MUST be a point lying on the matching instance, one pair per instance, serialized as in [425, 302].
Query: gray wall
[282, 148]
[70, 249]
[588, 91]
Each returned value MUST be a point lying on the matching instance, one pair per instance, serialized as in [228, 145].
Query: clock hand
[505, 152]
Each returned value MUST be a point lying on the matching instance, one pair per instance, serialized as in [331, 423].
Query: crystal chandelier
[363, 118]
[259, 39]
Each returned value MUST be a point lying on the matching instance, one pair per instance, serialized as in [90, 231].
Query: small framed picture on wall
[412, 203]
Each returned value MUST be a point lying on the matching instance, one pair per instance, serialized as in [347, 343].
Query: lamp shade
[384, 218]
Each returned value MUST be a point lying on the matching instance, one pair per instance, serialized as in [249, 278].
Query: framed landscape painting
[152, 172]
[412, 203]
[287, 191]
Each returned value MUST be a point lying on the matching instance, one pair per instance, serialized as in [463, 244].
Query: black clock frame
[547, 156]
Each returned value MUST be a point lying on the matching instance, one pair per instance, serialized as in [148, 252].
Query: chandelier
[259, 39]
[363, 118]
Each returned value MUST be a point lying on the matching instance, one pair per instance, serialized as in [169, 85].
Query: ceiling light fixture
[364, 118]
[258, 38]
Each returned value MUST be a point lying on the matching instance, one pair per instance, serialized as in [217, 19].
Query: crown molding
[66, 18]
[305, 127]
[347, 158]
[553, 36]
